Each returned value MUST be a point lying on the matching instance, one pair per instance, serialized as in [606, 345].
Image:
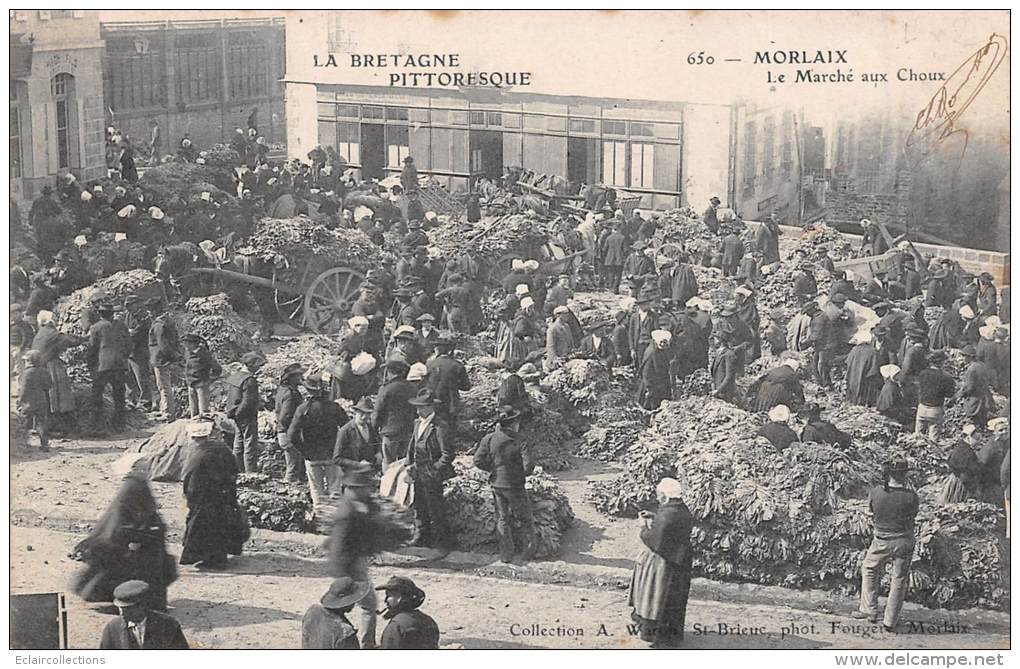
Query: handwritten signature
[937, 120]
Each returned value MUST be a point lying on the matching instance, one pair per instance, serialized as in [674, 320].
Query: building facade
[771, 164]
[199, 78]
[56, 98]
[667, 152]
[459, 136]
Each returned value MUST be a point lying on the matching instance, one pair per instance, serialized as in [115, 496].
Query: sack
[396, 484]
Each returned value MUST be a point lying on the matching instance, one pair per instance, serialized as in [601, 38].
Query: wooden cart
[314, 297]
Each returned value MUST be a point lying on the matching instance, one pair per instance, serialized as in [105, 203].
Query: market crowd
[388, 407]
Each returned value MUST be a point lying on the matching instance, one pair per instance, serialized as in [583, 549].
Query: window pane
[581, 125]
[396, 113]
[494, 118]
[642, 129]
[477, 118]
[614, 127]
[347, 111]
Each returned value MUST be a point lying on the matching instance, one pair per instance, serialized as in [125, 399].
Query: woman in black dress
[215, 525]
[662, 573]
[127, 543]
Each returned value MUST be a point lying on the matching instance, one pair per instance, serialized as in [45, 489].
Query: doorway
[373, 151]
[582, 162]
[486, 148]
[62, 88]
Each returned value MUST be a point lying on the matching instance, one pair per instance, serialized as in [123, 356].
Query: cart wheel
[330, 296]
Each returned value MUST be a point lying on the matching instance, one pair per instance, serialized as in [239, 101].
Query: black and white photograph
[477, 329]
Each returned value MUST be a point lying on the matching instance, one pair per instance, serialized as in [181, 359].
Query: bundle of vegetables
[800, 518]
[679, 226]
[315, 353]
[267, 425]
[548, 436]
[213, 318]
[295, 243]
[70, 310]
[819, 235]
[961, 558]
[170, 182]
[478, 405]
[104, 256]
[492, 238]
[608, 440]
[221, 155]
[274, 505]
[588, 386]
[698, 382]
[272, 462]
[471, 511]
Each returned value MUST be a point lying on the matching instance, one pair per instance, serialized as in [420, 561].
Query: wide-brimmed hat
[424, 398]
[838, 298]
[130, 593]
[406, 587]
[253, 359]
[313, 380]
[364, 405]
[507, 414]
[290, 370]
[426, 317]
[344, 592]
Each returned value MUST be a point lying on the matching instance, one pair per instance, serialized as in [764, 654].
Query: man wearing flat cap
[243, 406]
[509, 463]
[430, 455]
[894, 507]
[325, 625]
[409, 628]
[137, 627]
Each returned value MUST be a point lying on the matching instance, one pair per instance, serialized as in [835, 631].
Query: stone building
[56, 98]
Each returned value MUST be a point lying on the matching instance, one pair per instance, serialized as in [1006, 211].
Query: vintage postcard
[510, 330]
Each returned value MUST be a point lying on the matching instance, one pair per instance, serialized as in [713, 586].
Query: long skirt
[211, 532]
[61, 396]
[658, 595]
